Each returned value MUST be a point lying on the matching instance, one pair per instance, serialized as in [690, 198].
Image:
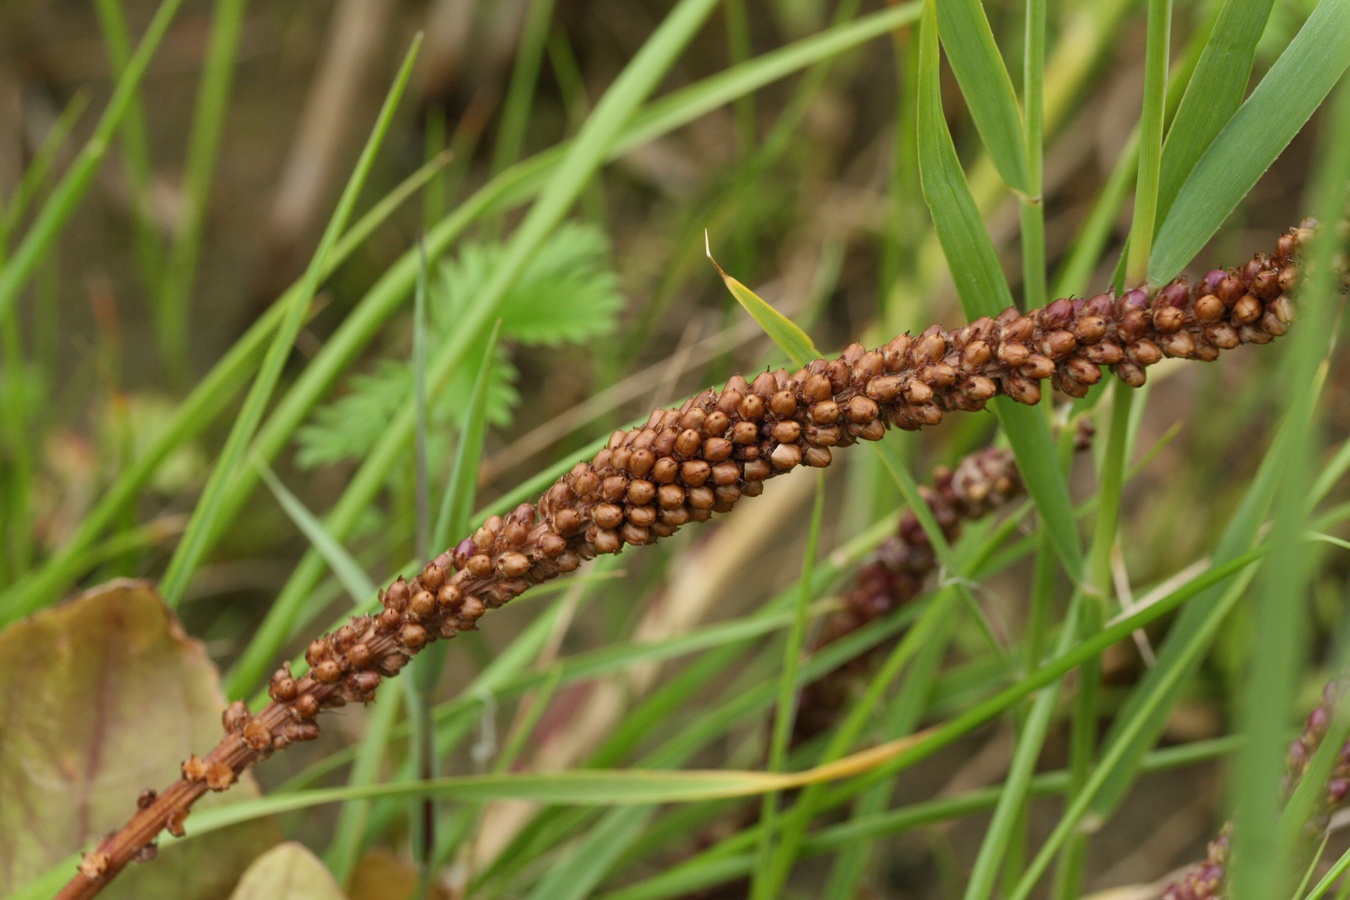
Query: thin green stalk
[196, 540]
[174, 295]
[65, 198]
[1032, 203]
[1097, 587]
[135, 145]
[784, 715]
[1144, 225]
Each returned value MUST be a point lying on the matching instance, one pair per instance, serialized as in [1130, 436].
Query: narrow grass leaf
[197, 539]
[1213, 93]
[349, 572]
[1256, 134]
[461, 490]
[65, 198]
[780, 329]
[584, 157]
[173, 297]
[986, 86]
[1262, 852]
[984, 291]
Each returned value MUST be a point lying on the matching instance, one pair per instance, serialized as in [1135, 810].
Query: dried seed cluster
[980, 483]
[686, 464]
[1206, 880]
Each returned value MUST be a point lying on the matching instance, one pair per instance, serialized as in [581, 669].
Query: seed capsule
[256, 736]
[787, 432]
[1038, 367]
[670, 496]
[862, 410]
[641, 492]
[783, 404]
[717, 449]
[607, 541]
[235, 717]
[1247, 310]
[744, 433]
[917, 392]
[432, 577]
[695, 472]
[327, 672]
[412, 636]
[306, 706]
[817, 388]
[786, 456]
[422, 604]
[641, 515]
[359, 655]
[1012, 354]
[635, 535]
[825, 413]
[513, 564]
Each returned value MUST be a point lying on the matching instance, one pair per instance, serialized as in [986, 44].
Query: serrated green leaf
[780, 329]
[566, 294]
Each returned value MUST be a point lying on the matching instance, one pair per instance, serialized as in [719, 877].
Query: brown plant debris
[686, 464]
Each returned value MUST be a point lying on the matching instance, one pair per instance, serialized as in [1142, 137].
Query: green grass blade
[970, 253]
[1213, 94]
[197, 539]
[173, 298]
[1157, 49]
[1262, 854]
[135, 142]
[1256, 134]
[350, 573]
[784, 714]
[984, 291]
[40, 166]
[781, 330]
[58, 209]
[585, 155]
[986, 86]
[462, 489]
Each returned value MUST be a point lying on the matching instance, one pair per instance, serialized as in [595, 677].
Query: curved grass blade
[984, 291]
[199, 535]
[1213, 94]
[782, 330]
[65, 198]
[1256, 134]
[986, 86]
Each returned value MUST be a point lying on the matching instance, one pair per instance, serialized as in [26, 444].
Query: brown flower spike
[686, 464]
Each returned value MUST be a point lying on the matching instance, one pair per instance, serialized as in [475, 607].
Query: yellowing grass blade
[784, 332]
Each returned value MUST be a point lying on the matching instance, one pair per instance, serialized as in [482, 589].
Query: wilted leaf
[100, 698]
[287, 872]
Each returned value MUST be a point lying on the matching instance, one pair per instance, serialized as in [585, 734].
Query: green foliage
[567, 294]
[638, 732]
